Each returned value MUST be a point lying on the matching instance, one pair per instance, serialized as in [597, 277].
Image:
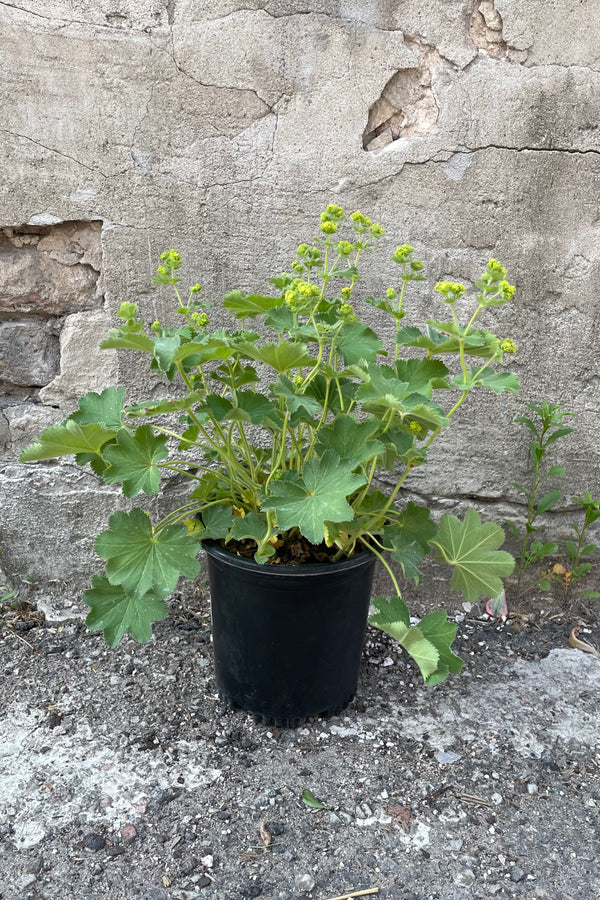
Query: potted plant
[281, 432]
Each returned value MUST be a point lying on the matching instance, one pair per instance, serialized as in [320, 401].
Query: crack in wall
[64, 23]
[26, 137]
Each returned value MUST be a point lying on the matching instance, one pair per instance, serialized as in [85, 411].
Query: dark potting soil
[294, 551]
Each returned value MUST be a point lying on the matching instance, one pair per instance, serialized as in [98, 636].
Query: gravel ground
[124, 776]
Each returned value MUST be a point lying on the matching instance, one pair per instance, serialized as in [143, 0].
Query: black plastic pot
[288, 639]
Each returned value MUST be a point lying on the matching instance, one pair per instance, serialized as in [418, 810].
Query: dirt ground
[123, 775]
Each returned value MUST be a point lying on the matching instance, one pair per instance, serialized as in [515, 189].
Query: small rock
[128, 833]
[447, 757]
[455, 844]
[203, 881]
[532, 788]
[94, 842]
[465, 878]
[207, 861]
[276, 828]
[304, 882]
[517, 874]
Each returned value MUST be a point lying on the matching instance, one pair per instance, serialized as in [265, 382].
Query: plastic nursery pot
[288, 639]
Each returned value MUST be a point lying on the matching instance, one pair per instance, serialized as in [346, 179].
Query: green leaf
[143, 560]
[409, 539]
[560, 432]
[357, 343]
[235, 375]
[165, 350]
[548, 501]
[252, 526]
[555, 471]
[132, 460]
[471, 548]
[351, 440]
[422, 375]
[167, 405]
[527, 422]
[393, 618]
[512, 528]
[441, 633]
[119, 339]
[248, 307]
[477, 343]
[196, 353]
[306, 501]
[295, 402]
[216, 406]
[217, 521]
[255, 527]
[114, 612]
[101, 409]
[309, 799]
[348, 272]
[383, 391]
[282, 357]
[63, 440]
[519, 487]
[255, 408]
[426, 413]
[318, 390]
[496, 381]
[281, 319]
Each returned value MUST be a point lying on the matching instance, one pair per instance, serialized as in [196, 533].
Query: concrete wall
[470, 129]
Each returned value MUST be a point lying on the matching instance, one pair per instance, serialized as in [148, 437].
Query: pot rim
[214, 549]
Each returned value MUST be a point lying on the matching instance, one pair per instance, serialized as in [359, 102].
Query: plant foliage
[281, 431]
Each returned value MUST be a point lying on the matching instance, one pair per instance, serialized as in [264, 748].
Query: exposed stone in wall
[488, 33]
[486, 29]
[407, 107]
[46, 273]
[83, 366]
[29, 355]
[50, 270]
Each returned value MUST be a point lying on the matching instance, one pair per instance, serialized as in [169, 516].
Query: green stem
[385, 564]
[276, 466]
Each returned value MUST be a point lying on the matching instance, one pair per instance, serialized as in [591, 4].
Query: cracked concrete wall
[468, 127]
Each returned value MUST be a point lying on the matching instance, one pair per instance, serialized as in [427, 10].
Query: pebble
[128, 833]
[304, 882]
[465, 878]
[447, 757]
[532, 788]
[517, 875]
[94, 842]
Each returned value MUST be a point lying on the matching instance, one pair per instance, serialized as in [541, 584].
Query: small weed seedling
[547, 426]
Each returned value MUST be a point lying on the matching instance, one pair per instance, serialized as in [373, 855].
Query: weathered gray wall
[468, 127]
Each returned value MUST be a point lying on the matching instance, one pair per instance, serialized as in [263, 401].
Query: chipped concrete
[224, 130]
